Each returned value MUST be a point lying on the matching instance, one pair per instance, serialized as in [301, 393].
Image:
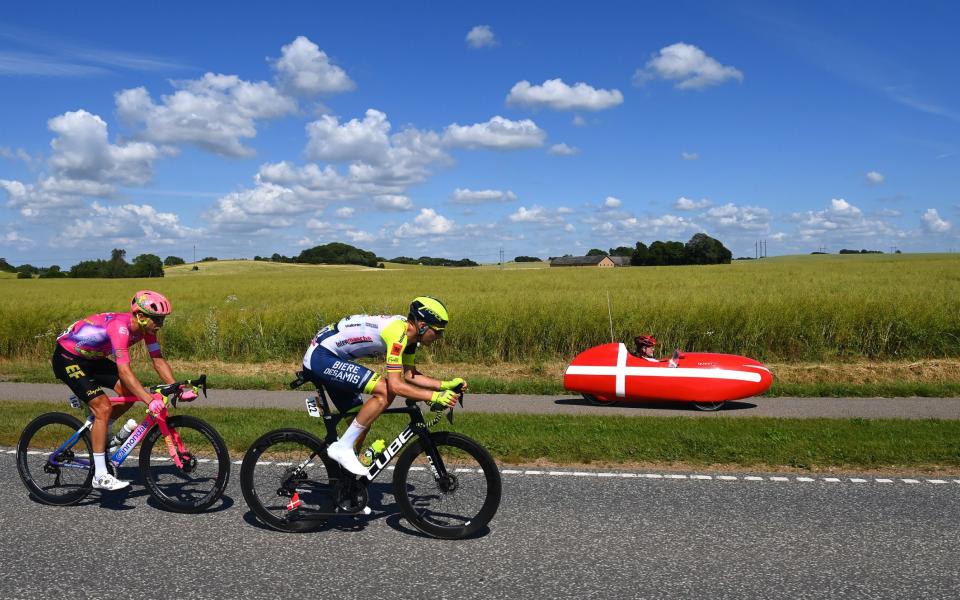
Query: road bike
[446, 484]
[186, 473]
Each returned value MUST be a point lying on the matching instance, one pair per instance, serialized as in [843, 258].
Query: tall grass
[813, 308]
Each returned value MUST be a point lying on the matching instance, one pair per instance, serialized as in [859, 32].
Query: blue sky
[442, 129]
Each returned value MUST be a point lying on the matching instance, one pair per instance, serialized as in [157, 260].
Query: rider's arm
[162, 367]
[160, 364]
[131, 383]
[412, 376]
[397, 385]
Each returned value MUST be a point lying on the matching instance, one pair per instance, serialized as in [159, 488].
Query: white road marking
[629, 475]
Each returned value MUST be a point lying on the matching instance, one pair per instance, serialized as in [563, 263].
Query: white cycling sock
[99, 464]
[349, 437]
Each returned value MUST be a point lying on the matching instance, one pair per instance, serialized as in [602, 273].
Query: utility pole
[194, 253]
[501, 257]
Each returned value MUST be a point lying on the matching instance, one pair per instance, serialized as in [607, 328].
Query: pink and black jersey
[106, 334]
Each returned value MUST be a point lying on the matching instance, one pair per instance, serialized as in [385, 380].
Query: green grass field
[755, 443]
[805, 308]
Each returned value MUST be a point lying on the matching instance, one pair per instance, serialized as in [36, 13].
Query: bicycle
[187, 473]
[446, 484]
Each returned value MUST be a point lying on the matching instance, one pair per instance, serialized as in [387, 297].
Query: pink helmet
[150, 303]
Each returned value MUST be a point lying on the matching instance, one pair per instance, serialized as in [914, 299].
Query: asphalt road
[868, 408]
[557, 535]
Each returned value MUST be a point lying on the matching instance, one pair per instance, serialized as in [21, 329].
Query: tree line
[338, 253]
[144, 265]
[701, 249]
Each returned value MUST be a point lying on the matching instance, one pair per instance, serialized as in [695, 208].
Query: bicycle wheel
[205, 472]
[285, 480]
[60, 479]
[456, 505]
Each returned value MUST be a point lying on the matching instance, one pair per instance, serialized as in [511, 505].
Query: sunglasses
[157, 319]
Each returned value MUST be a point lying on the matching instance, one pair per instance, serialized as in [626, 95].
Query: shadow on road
[679, 406]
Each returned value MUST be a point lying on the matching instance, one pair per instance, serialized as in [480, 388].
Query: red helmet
[150, 303]
[645, 341]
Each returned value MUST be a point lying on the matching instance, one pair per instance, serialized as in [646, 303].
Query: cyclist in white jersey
[329, 360]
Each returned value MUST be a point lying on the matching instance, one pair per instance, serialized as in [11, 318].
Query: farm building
[591, 261]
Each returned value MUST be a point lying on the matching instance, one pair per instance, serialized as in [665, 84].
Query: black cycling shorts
[84, 377]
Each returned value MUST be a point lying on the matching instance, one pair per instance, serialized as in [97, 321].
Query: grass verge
[931, 378]
[889, 445]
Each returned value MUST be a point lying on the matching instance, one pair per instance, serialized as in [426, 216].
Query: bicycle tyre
[181, 496]
[266, 484]
[430, 522]
[81, 487]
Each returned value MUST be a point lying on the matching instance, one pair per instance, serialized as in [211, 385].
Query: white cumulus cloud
[496, 134]
[367, 140]
[838, 223]
[933, 223]
[684, 203]
[563, 150]
[428, 222]
[81, 151]
[688, 65]
[468, 196]
[611, 202]
[875, 178]
[556, 94]
[733, 218]
[303, 69]
[689, 156]
[127, 224]
[393, 202]
[481, 36]
[215, 113]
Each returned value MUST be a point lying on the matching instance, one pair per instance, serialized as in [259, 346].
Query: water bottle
[372, 452]
[124, 432]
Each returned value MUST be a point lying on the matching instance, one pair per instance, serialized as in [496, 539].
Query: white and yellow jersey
[358, 336]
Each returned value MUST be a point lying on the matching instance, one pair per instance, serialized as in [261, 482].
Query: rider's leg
[374, 407]
[120, 408]
[100, 407]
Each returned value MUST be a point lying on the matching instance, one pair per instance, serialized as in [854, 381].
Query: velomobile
[610, 373]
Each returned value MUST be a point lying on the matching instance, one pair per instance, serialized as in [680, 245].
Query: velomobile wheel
[708, 406]
[598, 401]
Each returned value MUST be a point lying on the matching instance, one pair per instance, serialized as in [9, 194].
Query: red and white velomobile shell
[610, 372]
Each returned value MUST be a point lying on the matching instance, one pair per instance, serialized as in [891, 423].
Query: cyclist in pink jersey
[93, 353]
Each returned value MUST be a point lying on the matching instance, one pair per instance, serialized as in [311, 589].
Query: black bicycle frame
[417, 427]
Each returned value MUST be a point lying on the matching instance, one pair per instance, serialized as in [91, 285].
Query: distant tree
[527, 259]
[117, 266]
[208, 259]
[705, 250]
[596, 252]
[640, 255]
[621, 251]
[172, 261]
[337, 253]
[7, 267]
[89, 268]
[27, 268]
[52, 272]
[24, 275]
[665, 253]
[147, 265]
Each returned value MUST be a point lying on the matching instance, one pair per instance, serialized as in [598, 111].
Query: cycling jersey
[357, 336]
[106, 335]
